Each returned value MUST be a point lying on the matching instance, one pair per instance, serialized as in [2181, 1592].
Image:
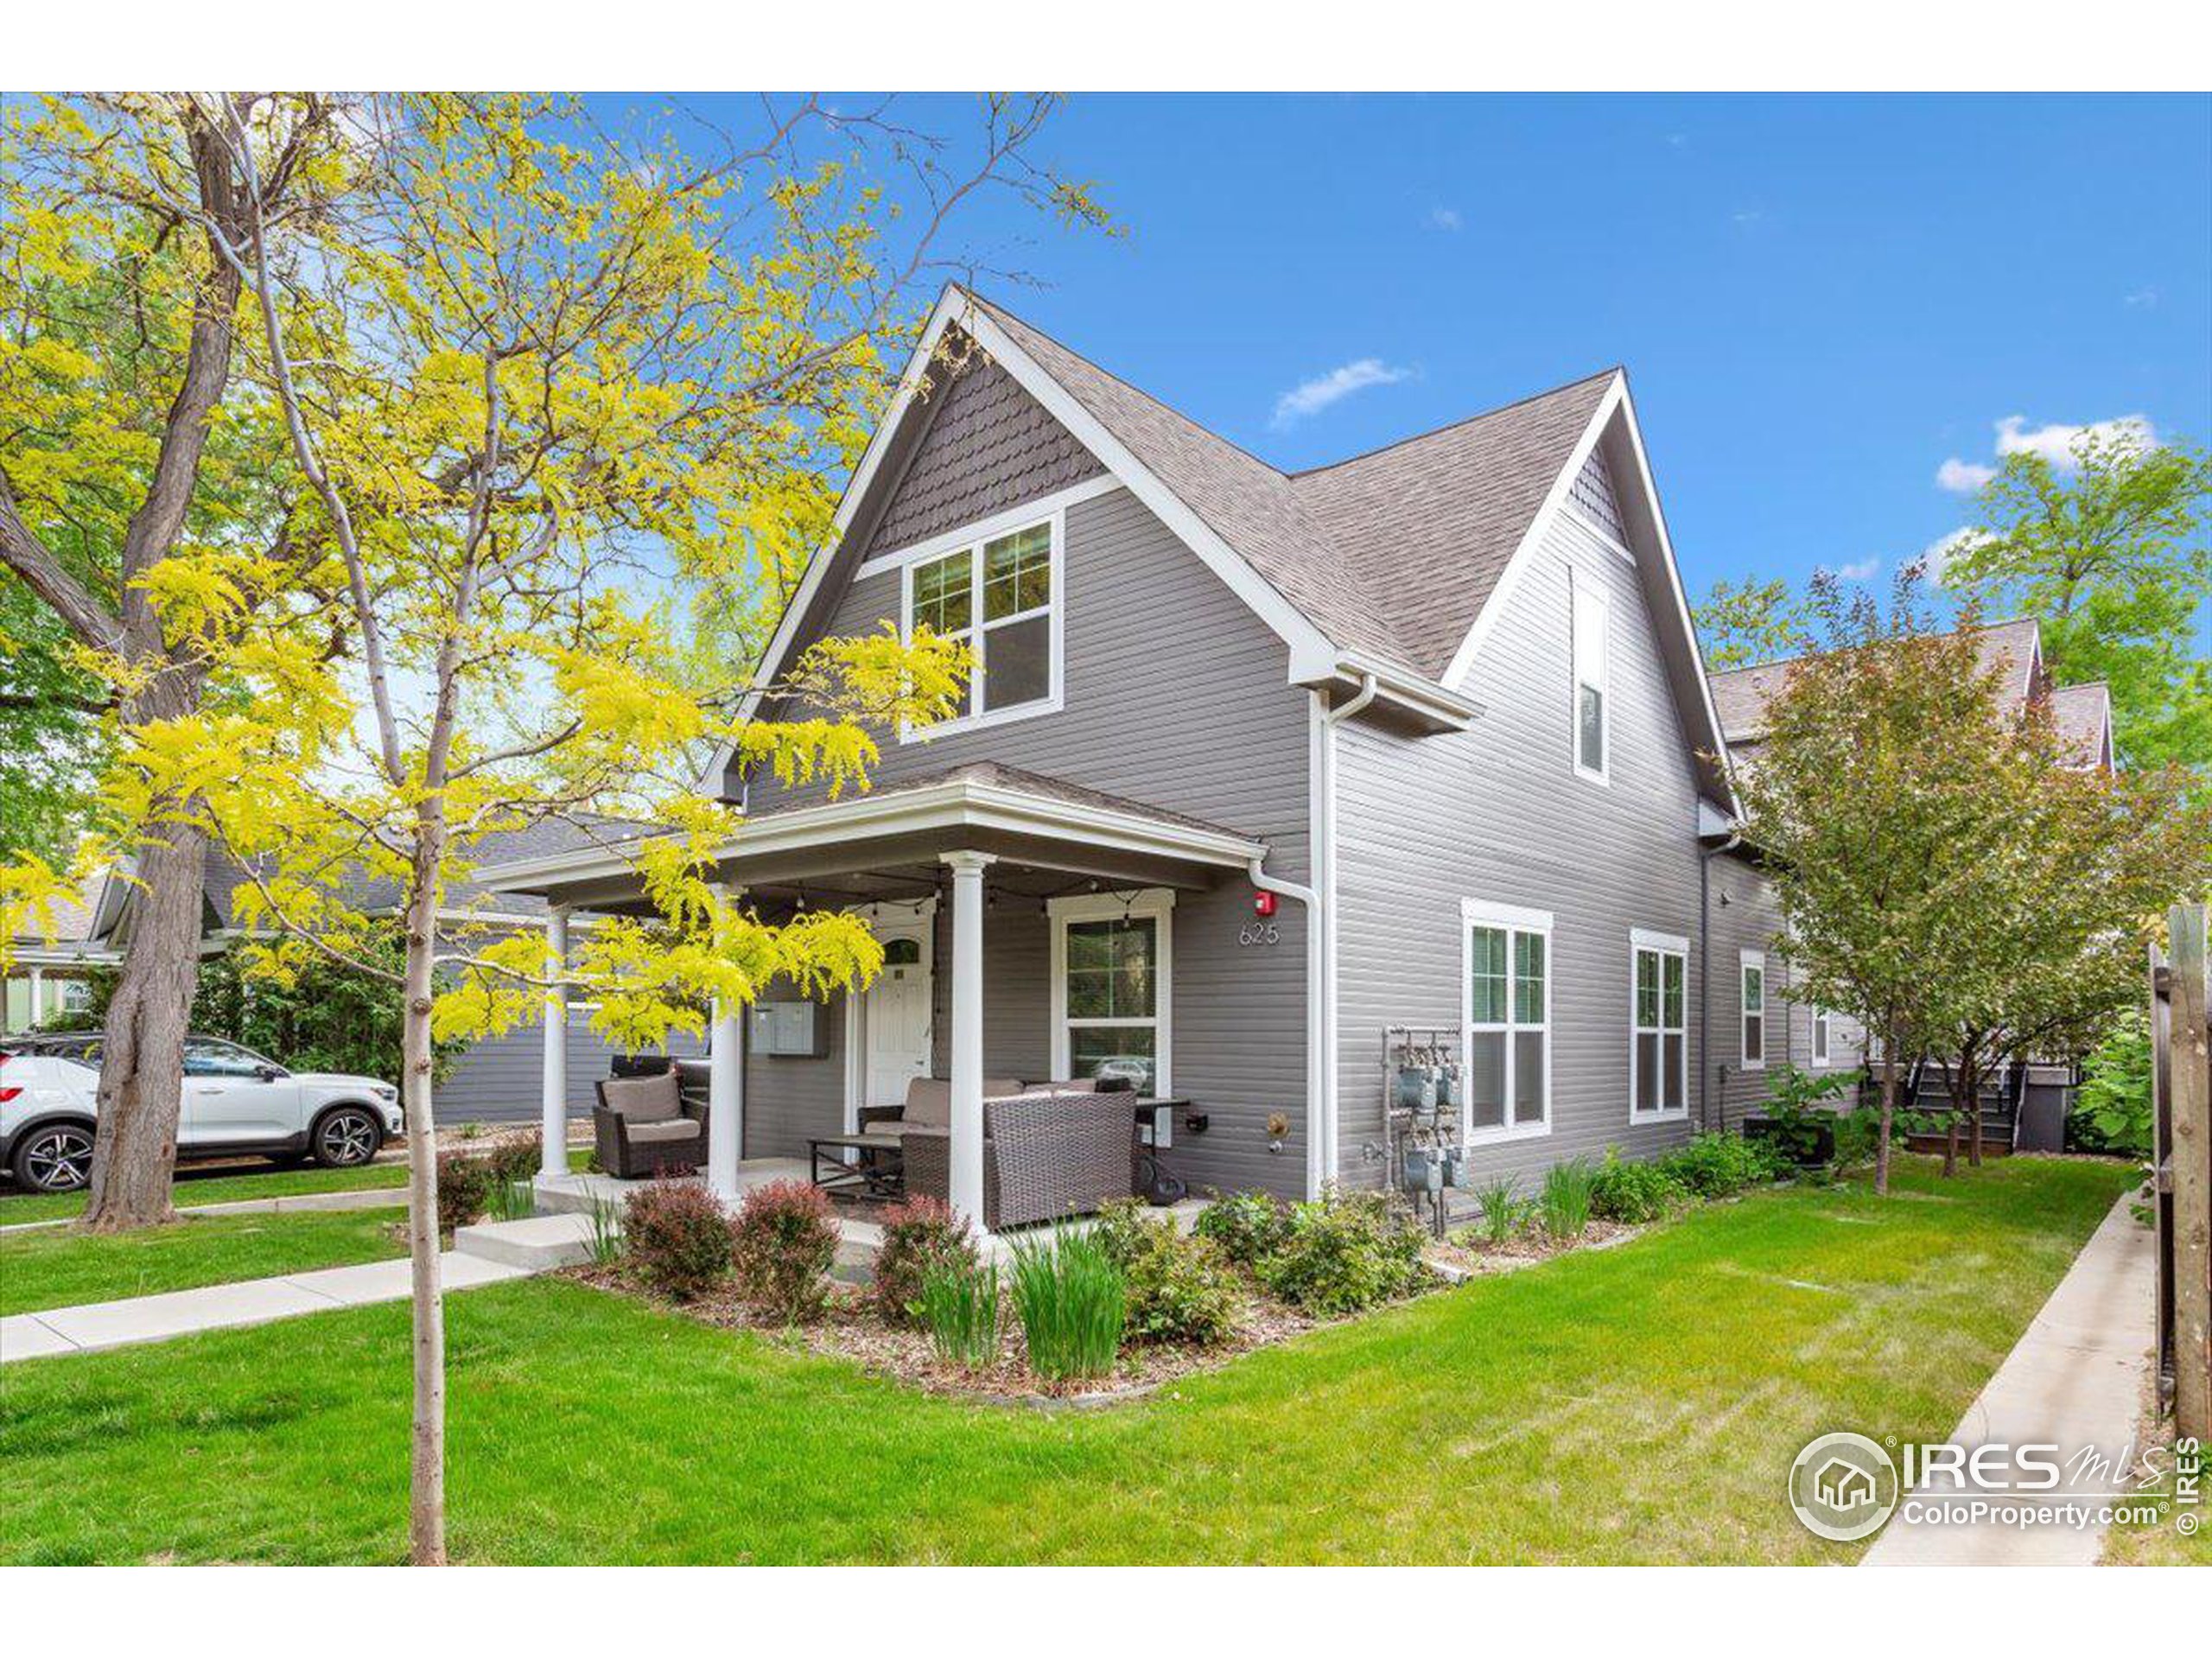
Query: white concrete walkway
[2073, 1381]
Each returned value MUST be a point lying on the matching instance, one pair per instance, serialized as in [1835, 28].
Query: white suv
[236, 1103]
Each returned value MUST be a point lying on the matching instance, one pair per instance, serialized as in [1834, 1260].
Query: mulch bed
[851, 1329]
[1473, 1256]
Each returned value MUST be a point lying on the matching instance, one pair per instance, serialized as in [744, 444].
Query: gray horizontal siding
[502, 1079]
[1497, 813]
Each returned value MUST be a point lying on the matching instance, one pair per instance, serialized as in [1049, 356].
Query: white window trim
[1640, 939]
[1477, 912]
[1822, 1045]
[1158, 903]
[971, 542]
[1745, 961]
[1585, 592]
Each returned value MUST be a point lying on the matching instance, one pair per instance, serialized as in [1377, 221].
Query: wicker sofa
[646, 1126]
[1062, 1149]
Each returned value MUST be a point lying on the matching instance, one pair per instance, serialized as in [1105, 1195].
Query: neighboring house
[1443, 701]
[496, 1079]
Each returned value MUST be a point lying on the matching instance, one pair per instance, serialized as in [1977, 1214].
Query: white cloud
[1963, 477]
[1859, 570]
[1312, 396]
[2142, 297]
[1446, 218]
[1936, 558]
[2054, 442]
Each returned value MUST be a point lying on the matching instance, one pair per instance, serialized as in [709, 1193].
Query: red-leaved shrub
[678, 1235]
[918, 1235]
[784, 1242]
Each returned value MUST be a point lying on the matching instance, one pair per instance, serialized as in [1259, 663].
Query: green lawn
[1640, 1403]
[223, 1184]
[56, 1266]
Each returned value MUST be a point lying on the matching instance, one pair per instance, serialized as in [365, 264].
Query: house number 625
[1259, 933]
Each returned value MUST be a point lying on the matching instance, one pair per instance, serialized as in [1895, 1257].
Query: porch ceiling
[1047, 836]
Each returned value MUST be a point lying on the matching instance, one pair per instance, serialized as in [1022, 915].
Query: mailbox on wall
[791, 1029]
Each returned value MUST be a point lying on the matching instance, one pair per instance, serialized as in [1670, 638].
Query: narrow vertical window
[1754, 1004]
[1822, 1036]
[1507, 1005]
[1659, 1029]
[1591, 709]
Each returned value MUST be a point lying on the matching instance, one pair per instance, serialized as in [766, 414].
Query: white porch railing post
[726, 1092]
[966, 1194]
[553, 1119]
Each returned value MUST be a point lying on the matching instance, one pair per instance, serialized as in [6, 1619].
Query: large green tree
[1742, 623]
[2108, 553]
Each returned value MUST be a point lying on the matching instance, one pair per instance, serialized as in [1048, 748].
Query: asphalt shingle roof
[1740, 694]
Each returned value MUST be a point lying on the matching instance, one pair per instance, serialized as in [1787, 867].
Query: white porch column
[553, 1105]
[966, 1193]
[38, 996]
[726, 1092]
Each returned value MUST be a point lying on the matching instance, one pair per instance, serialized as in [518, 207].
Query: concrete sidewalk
[2073, 1381]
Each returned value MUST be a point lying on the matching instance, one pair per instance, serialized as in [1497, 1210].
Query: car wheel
[57, 1159]
[347, 1137]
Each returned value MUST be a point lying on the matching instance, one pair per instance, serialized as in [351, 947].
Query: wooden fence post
[2189, 1096]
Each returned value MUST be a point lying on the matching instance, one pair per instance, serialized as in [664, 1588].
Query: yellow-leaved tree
[568, 408]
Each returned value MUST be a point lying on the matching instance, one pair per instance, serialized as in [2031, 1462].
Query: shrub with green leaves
[783, 1243]
[1504, 1212]
[1181, 1289]
[1634, 1193]
[678, 1237]
[1565, 1201]
[2112, 1111]
[958, 1305]
[1248, 1226]
[1800, 1105]
[919, 1235]
[1343, 1252]
[1718, 1163]
[1072, 1301]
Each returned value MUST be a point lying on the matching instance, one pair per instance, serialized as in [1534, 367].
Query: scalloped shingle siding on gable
[1592, 493]
[989, 447]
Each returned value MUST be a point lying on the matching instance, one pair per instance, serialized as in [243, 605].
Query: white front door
[898, 1021]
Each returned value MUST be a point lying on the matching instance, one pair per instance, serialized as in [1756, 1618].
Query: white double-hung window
[1752, 965]
[1506, 1013]
[1592, 715]
[1659, 1049]
[1113, 978]
[1000, 595]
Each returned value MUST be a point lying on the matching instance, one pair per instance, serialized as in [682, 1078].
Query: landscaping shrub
[1505, 1211]
[919, 1235]
[1799, 1108]
[958, 1305]
[2112, 1111]
[783, 1243]
[464, 1188]
[1718, 1164]
[1341, 1253]
[1248, 1226]
[1857, 1133]
[1567, 1198]
[1634, 1193]
[1180, 1289]
[1072, 1301]
[678, 1234]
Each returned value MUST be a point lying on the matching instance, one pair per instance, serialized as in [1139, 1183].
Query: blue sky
[1819, 300]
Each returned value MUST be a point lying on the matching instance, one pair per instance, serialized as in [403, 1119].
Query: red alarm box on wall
[1263, 903]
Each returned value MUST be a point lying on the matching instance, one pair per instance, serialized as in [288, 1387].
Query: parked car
[236, 1103]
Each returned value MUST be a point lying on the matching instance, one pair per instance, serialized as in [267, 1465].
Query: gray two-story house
[1254, 768]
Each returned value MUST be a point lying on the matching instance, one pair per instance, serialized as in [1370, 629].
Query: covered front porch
[1030, 931]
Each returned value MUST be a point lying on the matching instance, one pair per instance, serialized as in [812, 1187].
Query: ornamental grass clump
[783, 1243]
[919, 1236]
[1565, 1202]
[958, 1305]
[1072, 1301]
[677, 1235]
[1504, 1212]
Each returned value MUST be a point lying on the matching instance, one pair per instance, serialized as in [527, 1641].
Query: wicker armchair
[1044, 1156]
[645, 1126]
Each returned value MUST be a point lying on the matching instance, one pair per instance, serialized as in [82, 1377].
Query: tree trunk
[426, 1460]
[1889, 1115]
[1960, 1089]
[1974, 1145]
[141, 1051]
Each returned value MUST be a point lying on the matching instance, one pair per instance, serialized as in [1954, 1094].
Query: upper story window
[1823, 1035]
[1659, 1035]
[1001, 596]
[1591, 712]
[1507, 1020]
[1753, 964]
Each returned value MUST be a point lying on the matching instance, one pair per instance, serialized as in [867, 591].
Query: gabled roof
[2083, 715]
[2014, 648]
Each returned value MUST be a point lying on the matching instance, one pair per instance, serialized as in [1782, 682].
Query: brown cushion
[645, 1100]
[1000, 1087]
[928, 1100]
[658, 1131]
